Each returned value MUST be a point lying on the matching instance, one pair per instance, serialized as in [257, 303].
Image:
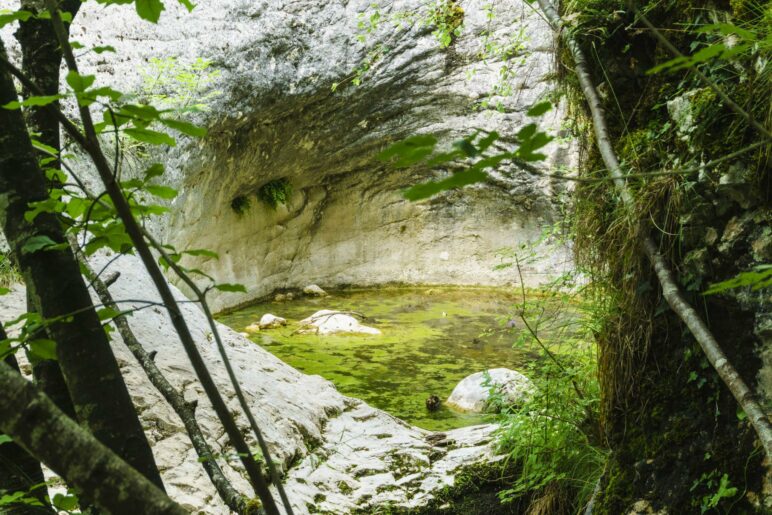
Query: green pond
[432, 338]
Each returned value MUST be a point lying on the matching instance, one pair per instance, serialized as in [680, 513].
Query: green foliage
[9, 273]
[178, 86]
[275, 192]
[719, 488]
[471, 155]
[240, 204]
[758, 278]
[447, 18]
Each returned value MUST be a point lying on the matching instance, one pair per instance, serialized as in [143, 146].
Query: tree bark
[93, 378]
[41, 60]
[185, 410]
[35, 423]
[19, 471]
[670, 289]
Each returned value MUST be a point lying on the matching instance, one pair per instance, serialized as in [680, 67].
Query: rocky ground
[339, 453]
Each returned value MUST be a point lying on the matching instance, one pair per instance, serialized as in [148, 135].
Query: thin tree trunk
[670, 290]
[41, 60]
[185, 410]
[90, 143]
[35, 423]
[93, 378]
[19, 471]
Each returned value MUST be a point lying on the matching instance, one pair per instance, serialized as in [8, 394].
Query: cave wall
[276, 117]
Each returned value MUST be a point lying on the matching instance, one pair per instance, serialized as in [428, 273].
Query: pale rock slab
[324, 438]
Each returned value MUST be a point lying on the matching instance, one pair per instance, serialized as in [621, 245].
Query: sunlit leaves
[731, 41]
[471, 154]
[149, 10]
[758, 278]
[8, 16]
[36, 243]
[33, 101]
[42, 349]
[150, 136]
[79, 82]
[539, 109]
[184, 127]
[409, 151]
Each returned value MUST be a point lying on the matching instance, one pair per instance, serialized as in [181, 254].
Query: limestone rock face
[471, 395]
[276, 118]
[334, 322]
[269, 321]
[333, 447]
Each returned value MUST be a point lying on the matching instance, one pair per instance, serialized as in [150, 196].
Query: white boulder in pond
[314, 290]
[327, 321]
[471, 395]
[269, 321]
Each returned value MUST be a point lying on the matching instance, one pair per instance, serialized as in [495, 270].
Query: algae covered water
[432, 338]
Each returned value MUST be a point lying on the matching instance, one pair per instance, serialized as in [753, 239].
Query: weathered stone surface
[277, 118]
[328, 321]
[314, 290]
[471, 395]
[269, 321]
[325, 439]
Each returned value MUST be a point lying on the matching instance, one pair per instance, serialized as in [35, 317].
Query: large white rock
[269, 321]
[335, 448]
[327, 321]
[471, 395]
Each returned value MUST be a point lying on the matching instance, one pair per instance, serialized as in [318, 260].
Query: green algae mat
[432, 338]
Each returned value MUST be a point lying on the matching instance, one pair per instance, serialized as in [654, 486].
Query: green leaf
[79, 82]
[164, 192]
[539, 109]
[33, 101]
[188, 5]
[185, 127]
[44, 148]
[8, 16]
[149, 10]
[43, 349]
[409, 151]
[65, 502]
[5, 439]
[230, 287]
[35, 243]
[154, 170]
[457, 180]
[202, 252]
[107, 314]
[103, 48]
[150, 136]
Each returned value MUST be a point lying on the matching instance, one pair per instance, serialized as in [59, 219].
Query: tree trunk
[18, 470]
[58, 292]
[41, 60]
[35, 423]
